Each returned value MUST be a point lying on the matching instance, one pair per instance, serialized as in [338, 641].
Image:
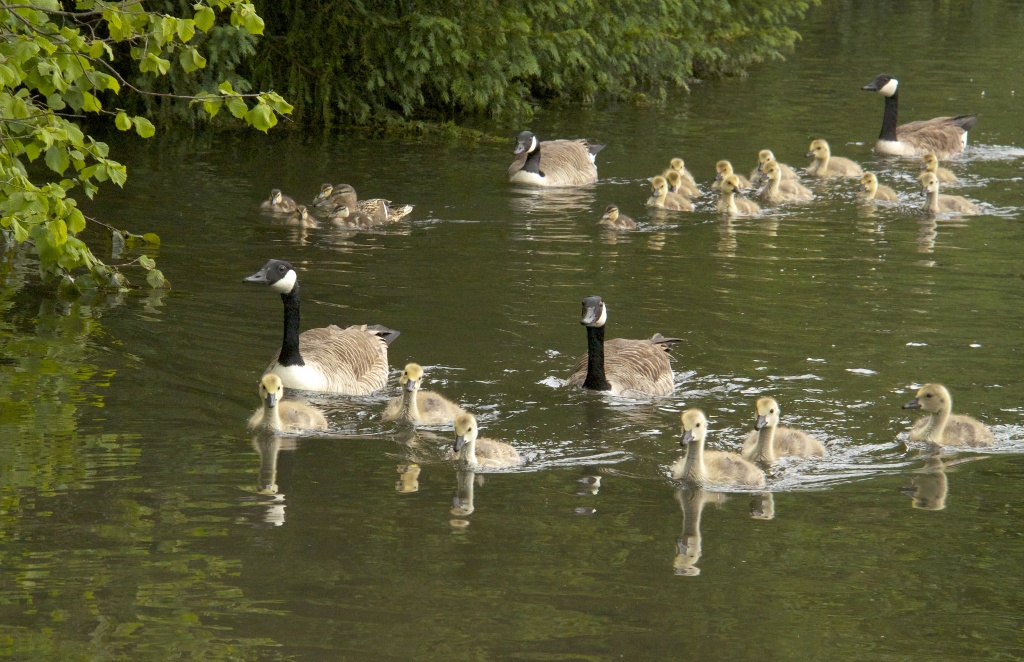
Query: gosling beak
[718, 177]
[260, 277]
[810, 154]
[760, 422]
[913, 404]
[687, 438]
[410, 385]
[460, 441]
[271, 400]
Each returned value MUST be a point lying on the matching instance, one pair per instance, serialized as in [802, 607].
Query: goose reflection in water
[268, 446]
[689, 546]
[553, 201]
[929, 484]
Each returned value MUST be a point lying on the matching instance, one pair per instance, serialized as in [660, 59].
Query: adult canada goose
[677, 184]
[302, 218]
[936, 202]
[731, 203]
[280, 415]
[621, 366]
[333, 197]
[614, 220]
[704, 468]
[769, 441]
[930, 163]
[662, 198]
[278, 203]
[870, 189]
[416, 406]
[481, 452]
[779, 190]
[945, 136]
[351, 361]
[722, 170]
[766, 155]
[553, 162]
[943, 427]
[678, 165]
[344, 217]
[826, 165]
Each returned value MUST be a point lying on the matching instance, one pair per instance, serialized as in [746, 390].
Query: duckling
[344, 217]
[350, 361]
[935, 202]
[723, 169]
[730, 203]
[945, 136]
[613, 220]
[416, 406]
[553, 162]
[678, 165]
[826, 165]
[302, 218]
[870, 189]
[663, 199]
[769, 441]
[278, 203]
[676, 184]
[332, 197]
[930, 163]
[621, 366]
[703, 468]
[279, 415]
[766, 155]
[781, 190]
[481, 452]
[942, 427]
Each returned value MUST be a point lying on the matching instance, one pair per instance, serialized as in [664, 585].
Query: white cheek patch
[889, 88]
[533, 144]
[286, 284]
[604, 316]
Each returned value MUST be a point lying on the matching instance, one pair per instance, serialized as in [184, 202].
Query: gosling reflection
[927, 233]
[929, 485]
[727, 242]
[688, 548]
[762, 505]
[408, 478]
[268, 447]
[462, 504]
[588, 485]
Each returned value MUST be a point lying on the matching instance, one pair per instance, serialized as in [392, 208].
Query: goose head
[595, 313]
[677, 164]
[931, 398]
[868, 182]
[465, 431]
[278, 274]
[930, 162]
[271, 390]
[275, 196]
[611, 214]
[674, 179]
[730, 184]
[695, 426]
[929, 183]
[885, 85]
[411, 377]
[819, 150]
[525, 142]
[659, 186]
[767, 413]
[723, 169]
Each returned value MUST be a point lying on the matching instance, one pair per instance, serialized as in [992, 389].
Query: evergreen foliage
[359, 61]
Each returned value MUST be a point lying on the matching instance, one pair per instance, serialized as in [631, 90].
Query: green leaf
[56, 102]
[147, 262]
[151, 238]
[117, 173]
[204, 18]
[237, 107]
[33, 150]
[76, 221]
[90, 103]
[57, 160]
[122, 122]
[143, 127]
[186, 30]
[261, 117]
[212, 106]
[156, 279]
[225, 88]
[20, 233]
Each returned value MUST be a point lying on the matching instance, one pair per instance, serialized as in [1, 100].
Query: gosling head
[278, 274]
[868, 182]
[819, 150]
[730, 184]
[275, 196]
[271, 390]
[659, 186]
[763, 157]
[767, 413]
[525, 142]
[885, 85]
[929, 183]
[595, 313]
[931, 398]
[611, 214]
[723, 169]
[465, 431]
[673, 178]
[677, 164]
[695, 425]
[930, 162]
[411, 376]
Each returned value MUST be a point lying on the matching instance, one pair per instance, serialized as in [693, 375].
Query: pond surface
[132, 520]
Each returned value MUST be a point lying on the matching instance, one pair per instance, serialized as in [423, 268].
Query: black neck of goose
[290, 345]
[595, 360]
[889, 118]
[533, 161]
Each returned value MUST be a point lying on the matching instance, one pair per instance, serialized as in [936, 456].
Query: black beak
[871, 87]
[760, 422]
[410, 385]
[913, 404]
[271, 400]
[259, 277]
[590, 315]
[520, 148]
[460, 441]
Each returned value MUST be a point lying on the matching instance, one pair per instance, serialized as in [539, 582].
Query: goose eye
[698, 425]
[771, 411]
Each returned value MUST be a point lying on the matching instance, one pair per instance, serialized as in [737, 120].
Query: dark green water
[131, 526]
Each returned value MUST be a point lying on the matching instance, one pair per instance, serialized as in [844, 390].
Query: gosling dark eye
[771, 411]
[928, 396]
[698, 425]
